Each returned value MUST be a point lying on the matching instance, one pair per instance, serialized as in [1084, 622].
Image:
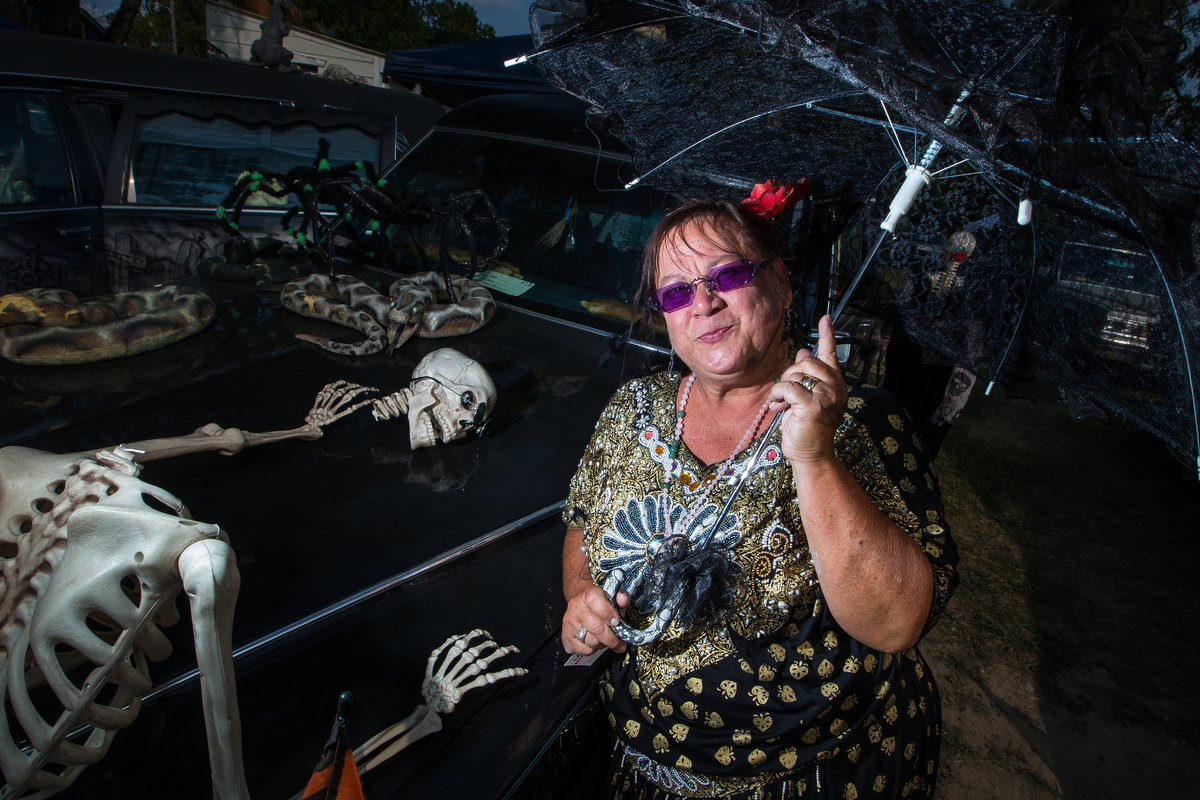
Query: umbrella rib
[810, 104]
[512, 62]
[1020, 317]
[895, 136]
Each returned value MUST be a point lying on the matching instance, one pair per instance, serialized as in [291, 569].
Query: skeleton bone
[330, 406]
[442, 690]
[80, 526]
[435, 408]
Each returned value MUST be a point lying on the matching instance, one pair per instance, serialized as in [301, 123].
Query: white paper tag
[585, 661]
[502, 283]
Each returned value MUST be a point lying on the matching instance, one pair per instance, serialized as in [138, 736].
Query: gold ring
[582, 634]
[808, 382]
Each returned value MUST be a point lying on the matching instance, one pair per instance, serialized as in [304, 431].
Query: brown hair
[728, 223]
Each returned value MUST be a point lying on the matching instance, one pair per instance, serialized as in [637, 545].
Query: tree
[385, 25]
[151, 28]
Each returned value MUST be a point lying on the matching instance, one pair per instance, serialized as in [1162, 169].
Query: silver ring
[582, 634]
[808, 382]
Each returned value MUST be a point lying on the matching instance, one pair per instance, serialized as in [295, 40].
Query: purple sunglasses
[724, 278]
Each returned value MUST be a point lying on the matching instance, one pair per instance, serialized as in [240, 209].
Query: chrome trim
[581, 327]
[366, 594]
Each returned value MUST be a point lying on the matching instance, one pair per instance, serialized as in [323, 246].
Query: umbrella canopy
[1099, 295]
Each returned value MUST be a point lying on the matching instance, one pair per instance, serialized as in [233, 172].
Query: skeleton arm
[442, 691]
[333, 402]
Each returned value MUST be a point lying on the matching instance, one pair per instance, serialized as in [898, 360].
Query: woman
[801, 680]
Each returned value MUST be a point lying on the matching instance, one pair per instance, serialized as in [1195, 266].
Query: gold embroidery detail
[765, 673]
[880, 783]
[851, 665]
[870, 662]
[695, 685]
[853, 753]
[830, 640]
[830, 690]
[756, 757]
[788, 758]
[632, 728]
[787, 694]
[634, 691]
[728, 689]
[762, 722]
[805, 650]
[810, 736]
[909, 751]
[798, 669]
[648, 715]
[725, 755]
[690, 710]
[839, 727]
[850, 702]
[910, 462]
[890, 446]
[759, 695]
[684, 763]
[713, 720]
[875, 733]
[850, 792]
[660, 743]
[888, 745]
[777, 652]
[664, 707]
[824, 670]
[745, 667]
[679, 731]
[896, 421]
[855, 403]
[741, 738]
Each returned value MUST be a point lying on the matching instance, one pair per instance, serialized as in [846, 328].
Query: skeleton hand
[444, 689]
[331, 403]
[390, 407]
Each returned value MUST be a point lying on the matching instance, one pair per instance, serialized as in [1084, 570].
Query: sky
[508, 17]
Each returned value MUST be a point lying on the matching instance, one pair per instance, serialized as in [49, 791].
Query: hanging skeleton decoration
[449, 395]
[90, 567]
[464, 668]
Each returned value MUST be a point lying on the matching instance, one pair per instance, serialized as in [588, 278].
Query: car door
[50, 221]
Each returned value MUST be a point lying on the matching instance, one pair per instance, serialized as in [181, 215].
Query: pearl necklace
[673, 466]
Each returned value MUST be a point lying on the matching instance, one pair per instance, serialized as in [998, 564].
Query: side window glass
[181, 160]
[33, 169]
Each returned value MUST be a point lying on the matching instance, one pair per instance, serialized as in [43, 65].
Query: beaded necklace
[673, 467]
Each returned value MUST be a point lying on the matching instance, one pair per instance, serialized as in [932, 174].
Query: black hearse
[358, 555]
[113, 160]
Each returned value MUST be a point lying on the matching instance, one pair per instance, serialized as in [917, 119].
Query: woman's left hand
[812, 414]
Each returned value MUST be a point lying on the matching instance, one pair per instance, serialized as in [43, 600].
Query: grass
[1078, 548]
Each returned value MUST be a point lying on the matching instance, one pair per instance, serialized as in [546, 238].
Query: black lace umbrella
[1000, 113]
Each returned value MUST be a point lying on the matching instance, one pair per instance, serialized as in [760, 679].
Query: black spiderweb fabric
[1099, 295]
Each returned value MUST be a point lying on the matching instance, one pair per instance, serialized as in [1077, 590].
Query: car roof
[559, 119]
[99, 65]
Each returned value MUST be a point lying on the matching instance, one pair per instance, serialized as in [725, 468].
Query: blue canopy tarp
[476, 65]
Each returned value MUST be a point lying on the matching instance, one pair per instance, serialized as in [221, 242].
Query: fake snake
[413, 308]
[44, 327]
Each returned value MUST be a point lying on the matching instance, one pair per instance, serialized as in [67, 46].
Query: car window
[571, 245]
[33, 169]
[182, 160]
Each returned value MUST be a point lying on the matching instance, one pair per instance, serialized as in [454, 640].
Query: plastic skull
[450, 395]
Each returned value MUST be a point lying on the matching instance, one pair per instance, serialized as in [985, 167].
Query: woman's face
[725, 337]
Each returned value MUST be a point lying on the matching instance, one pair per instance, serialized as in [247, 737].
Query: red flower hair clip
[769, 199]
